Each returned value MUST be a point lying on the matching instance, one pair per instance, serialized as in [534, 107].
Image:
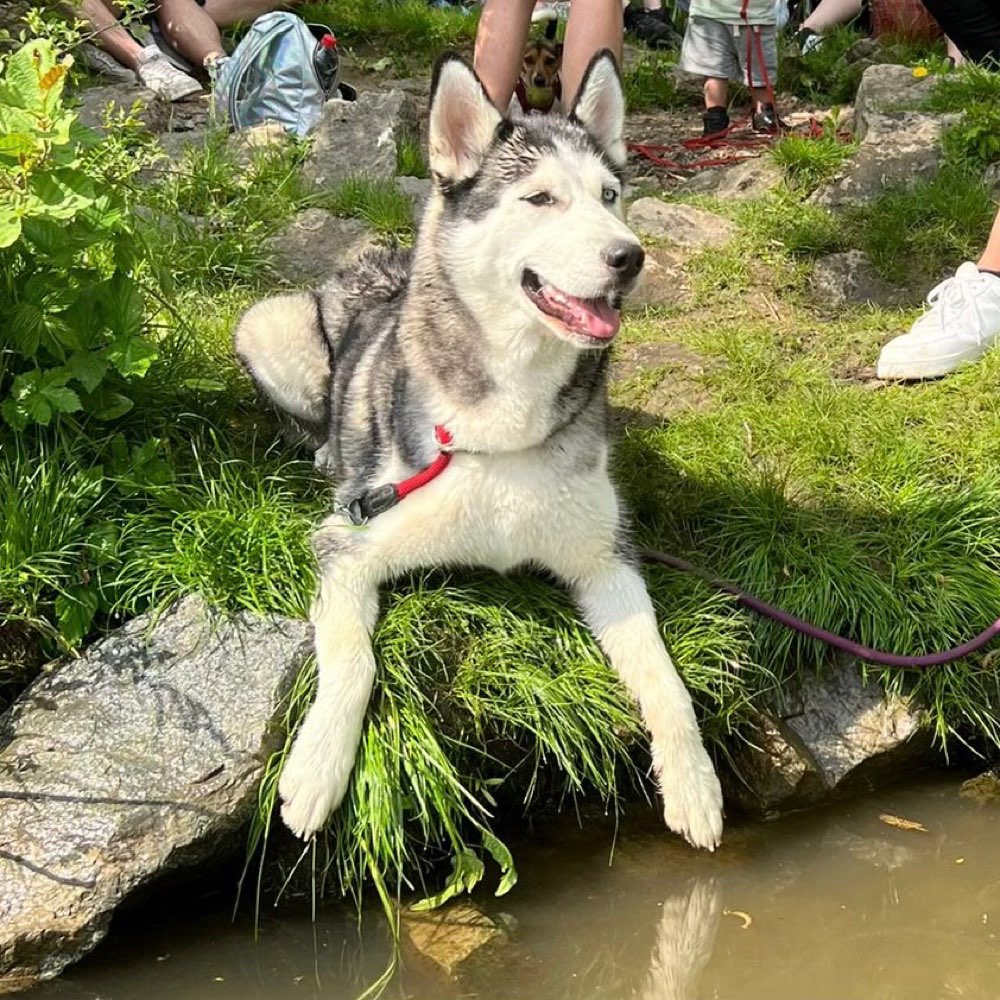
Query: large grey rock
[885, 88]
[142, 757]
[838, 737]
[753, 178]
[360, 138]
[308, 249]
[840, 279]
[121, 98]
[898, 149]
[682, 225]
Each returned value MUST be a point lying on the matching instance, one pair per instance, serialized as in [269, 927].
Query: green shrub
[823, 76]
[73, 311]
[650, 84]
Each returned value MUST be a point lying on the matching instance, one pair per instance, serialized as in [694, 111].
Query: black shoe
[716, 119]
[766, 120]
[652, 27]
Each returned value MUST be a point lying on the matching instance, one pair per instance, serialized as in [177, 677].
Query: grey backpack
[277, 73]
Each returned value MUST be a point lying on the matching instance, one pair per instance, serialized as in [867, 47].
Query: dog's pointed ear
[600, 105]
[462, 120]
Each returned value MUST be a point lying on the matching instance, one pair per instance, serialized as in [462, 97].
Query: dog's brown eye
[540, 198]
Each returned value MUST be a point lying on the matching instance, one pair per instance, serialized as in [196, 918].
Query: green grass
[408, 29]
[916, 233]
[964, 87]
[212, 212]
[808, 161]
[410, 160]
[380, 203]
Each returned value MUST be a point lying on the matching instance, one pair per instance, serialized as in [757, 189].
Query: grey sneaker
[103, 64]
[156, 72]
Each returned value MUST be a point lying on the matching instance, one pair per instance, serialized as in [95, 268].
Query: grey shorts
[713, 48]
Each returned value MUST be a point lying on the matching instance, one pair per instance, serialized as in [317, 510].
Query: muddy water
[835, 905]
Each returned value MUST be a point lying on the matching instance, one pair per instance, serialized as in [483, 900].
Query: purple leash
[814, 632]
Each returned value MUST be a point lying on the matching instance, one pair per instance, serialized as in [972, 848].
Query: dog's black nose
[626, 259]
[539, 81]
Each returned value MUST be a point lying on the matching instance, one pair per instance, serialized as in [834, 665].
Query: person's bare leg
[990, 260]
[592, 25]
[227, 12]
[716, 92]
[109, 34]
[500, 40]
[954, 52]
[830, 13]
[190, 30]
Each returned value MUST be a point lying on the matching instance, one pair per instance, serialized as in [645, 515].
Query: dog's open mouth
[593, 319]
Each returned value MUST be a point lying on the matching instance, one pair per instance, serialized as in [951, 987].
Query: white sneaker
[156, 72]
[962, 323]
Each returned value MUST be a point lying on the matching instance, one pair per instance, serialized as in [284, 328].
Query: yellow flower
[920, 72]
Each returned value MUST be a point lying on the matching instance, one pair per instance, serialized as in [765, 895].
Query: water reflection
[685, 938]
[831, 906]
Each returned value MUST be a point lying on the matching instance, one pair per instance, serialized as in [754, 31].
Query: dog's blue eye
[540, 198]
[610, 195]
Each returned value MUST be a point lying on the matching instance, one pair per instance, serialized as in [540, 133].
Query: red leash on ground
[749, 146]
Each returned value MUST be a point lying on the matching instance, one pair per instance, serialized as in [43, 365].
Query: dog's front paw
[313, 781]
[692, 796]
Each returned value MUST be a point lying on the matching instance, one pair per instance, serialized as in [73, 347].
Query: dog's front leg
[616, 605]
[316, 774]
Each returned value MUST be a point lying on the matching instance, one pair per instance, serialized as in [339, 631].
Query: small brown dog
[538, 88]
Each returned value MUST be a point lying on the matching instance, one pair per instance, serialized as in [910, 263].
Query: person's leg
[500, 40]
[830, 13]
[973, 25]
[593, 25]
[990, 260]
[716, 92]
[191, 30]
[109, 34]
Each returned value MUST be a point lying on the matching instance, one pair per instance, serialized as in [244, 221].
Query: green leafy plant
[974, 141]
[73, 310]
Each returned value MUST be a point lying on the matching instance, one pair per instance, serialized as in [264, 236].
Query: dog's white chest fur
[507, 510]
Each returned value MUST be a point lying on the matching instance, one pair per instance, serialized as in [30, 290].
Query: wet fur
[399, 342]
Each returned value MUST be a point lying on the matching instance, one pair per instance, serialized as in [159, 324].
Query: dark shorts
[973, 25]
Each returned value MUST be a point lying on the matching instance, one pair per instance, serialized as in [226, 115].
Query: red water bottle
[326, 61]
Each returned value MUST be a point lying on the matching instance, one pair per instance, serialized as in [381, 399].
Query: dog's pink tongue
[594, 317]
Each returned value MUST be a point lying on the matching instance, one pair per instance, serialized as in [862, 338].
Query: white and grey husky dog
[491, 336]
